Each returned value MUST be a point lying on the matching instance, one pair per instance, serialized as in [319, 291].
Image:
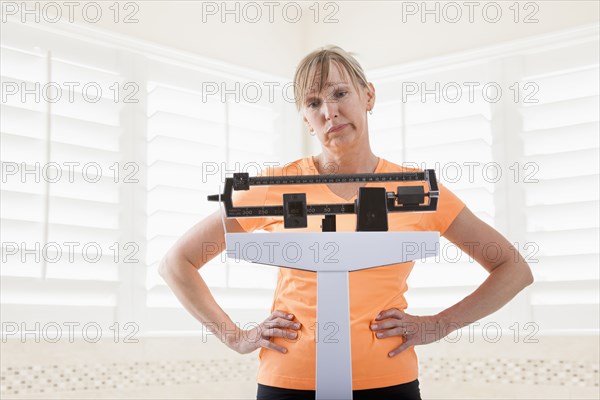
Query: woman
[334, 97]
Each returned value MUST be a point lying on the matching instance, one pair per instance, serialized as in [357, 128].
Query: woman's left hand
[415, 329]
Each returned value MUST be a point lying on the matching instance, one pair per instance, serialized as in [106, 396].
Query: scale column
[334, 355]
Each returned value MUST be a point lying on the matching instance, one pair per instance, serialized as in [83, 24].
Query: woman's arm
[179, 268]
[509, 274]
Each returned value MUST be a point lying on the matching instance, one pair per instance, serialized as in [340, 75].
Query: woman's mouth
[337, 128]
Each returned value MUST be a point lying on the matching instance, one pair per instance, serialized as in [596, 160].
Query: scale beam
[395, 203]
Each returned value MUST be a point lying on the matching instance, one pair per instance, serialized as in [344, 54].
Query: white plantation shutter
[560, 140]
[253, 139]
[545, 142]
[80, 210]
[448, 133]
[195, 140]
[155, 180]
[449, 136]
[184, 136]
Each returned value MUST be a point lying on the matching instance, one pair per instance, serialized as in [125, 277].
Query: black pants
[405, 391]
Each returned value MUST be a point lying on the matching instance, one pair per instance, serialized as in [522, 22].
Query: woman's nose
[330, 109]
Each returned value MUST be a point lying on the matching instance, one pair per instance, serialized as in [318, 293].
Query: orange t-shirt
[371, 290]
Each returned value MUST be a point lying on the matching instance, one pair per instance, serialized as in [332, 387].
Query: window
[541, 134]
[560, 136]
[200, 129]
[136, 164]
[61, 134]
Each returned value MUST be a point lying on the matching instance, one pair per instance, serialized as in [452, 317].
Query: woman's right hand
[278, 324]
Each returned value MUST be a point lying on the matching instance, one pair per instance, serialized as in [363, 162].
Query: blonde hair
[317, 64]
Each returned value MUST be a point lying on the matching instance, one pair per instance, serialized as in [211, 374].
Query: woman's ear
[371, 96]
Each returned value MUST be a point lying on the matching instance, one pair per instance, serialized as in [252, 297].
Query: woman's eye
[341, 94]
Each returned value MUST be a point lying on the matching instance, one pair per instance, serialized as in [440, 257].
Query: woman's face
[338, 114]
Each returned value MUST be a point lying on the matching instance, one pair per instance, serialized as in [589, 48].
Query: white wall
[377, 32]
[373, 29]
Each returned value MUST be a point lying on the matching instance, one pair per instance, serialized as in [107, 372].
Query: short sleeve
[449, 206]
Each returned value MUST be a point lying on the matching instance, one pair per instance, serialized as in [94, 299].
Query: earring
[312, 132]
[371, 111]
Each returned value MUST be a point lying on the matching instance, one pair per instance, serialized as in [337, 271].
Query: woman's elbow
[531, 278]
[527, 276]
[173, 265]
[164, 266]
